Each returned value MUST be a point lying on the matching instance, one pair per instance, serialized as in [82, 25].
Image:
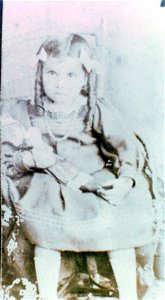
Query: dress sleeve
[109, 123]
[13, 135]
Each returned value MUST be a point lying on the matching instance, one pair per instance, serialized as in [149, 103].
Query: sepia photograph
[82, 167]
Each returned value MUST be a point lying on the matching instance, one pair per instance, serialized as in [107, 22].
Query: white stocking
[47, 265]
[124, 267]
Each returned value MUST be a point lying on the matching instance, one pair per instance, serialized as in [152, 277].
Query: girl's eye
[70, 74]
[50, 72]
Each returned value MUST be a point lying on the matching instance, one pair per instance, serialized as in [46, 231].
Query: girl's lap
[85, 221]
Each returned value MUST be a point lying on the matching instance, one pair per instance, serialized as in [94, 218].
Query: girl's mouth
[60, 93]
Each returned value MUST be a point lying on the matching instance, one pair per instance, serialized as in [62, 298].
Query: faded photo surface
[82, 150]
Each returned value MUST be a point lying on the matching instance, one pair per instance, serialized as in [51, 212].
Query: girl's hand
[82, 179]
[115, 190]
[91, 186]
[43, 156]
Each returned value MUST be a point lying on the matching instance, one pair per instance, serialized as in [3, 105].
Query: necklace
[75, 110]
[52, 135]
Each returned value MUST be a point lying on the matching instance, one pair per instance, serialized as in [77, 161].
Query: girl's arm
[116, 135]
[23, 151]
[109, 123]
[68, 173]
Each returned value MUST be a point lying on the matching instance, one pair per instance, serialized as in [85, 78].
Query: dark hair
[71, 46]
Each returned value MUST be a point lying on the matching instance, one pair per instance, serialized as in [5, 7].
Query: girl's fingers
[107, 193]
[109, 183]
[112, 198]
[9, 161]
[9, 155]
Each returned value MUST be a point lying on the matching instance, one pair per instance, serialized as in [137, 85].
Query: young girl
[87, 191]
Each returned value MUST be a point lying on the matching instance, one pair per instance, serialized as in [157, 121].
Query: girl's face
[63, 79]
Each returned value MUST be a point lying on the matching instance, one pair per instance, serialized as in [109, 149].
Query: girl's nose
[59, 82]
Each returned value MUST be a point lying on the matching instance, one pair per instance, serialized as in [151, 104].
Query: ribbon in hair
[85, 60]
[42, 55]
